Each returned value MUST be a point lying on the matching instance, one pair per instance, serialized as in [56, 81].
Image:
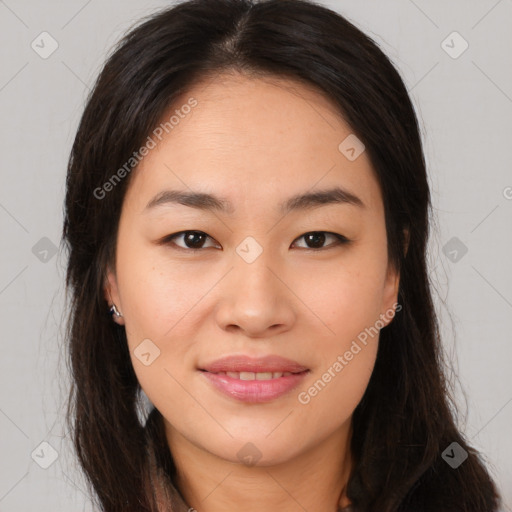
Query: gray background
[464, 105]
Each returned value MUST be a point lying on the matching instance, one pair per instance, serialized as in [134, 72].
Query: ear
[390, 296]
[391, 286]
[111, 293]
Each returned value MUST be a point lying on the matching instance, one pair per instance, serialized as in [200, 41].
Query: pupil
[192, 238]
[317, 238]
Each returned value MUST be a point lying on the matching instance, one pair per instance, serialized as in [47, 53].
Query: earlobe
[112, 298]
[392, 286]
[391, 294]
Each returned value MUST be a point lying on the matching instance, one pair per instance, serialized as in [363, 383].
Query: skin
[255, 142]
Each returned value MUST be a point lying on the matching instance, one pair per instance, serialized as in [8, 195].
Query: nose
[256, 300]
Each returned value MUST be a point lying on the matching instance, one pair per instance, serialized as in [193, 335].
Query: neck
[315, 480]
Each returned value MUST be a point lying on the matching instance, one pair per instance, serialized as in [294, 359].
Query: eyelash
[168, 240]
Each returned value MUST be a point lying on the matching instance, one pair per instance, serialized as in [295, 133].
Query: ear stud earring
[114, 311]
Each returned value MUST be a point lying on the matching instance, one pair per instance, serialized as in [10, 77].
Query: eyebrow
[209, 202]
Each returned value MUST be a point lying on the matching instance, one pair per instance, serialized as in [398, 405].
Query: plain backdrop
[463, 97]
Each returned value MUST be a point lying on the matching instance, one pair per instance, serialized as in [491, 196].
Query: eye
[193, 240]
[317, 238]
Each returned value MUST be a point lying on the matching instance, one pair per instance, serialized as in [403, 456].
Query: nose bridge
[255, 299]
[254, 274]
[254, 280]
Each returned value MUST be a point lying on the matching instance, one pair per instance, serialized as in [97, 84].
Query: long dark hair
[406, 418]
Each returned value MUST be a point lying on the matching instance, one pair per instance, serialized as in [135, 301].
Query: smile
[254, 387]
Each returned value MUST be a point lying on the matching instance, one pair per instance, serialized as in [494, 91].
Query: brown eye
[316, 239]
[193, 240]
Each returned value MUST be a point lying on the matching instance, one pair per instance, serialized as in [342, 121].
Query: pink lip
[241, 363]
[254, 390]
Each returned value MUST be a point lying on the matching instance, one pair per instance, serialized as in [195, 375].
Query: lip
[242, 363]
[254, 391]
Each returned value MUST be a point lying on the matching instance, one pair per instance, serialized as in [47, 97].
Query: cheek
[159, 336]
[342, 373]
[158, 302]
[333, 395]
[345, 295]
[158, 293]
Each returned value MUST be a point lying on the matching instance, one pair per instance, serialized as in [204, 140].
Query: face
[261, 279]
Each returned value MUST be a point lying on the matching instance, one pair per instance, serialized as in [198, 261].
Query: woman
[247, 218]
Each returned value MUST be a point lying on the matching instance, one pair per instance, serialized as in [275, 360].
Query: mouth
[239, 363]
[255, 375]
[254, 380]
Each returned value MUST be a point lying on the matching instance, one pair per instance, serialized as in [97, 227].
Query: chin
[254, 450]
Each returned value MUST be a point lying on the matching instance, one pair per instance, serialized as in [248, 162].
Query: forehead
[246, 136]
[284, 117]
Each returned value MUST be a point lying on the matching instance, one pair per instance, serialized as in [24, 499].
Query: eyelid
[167, 240]
[340, 240]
